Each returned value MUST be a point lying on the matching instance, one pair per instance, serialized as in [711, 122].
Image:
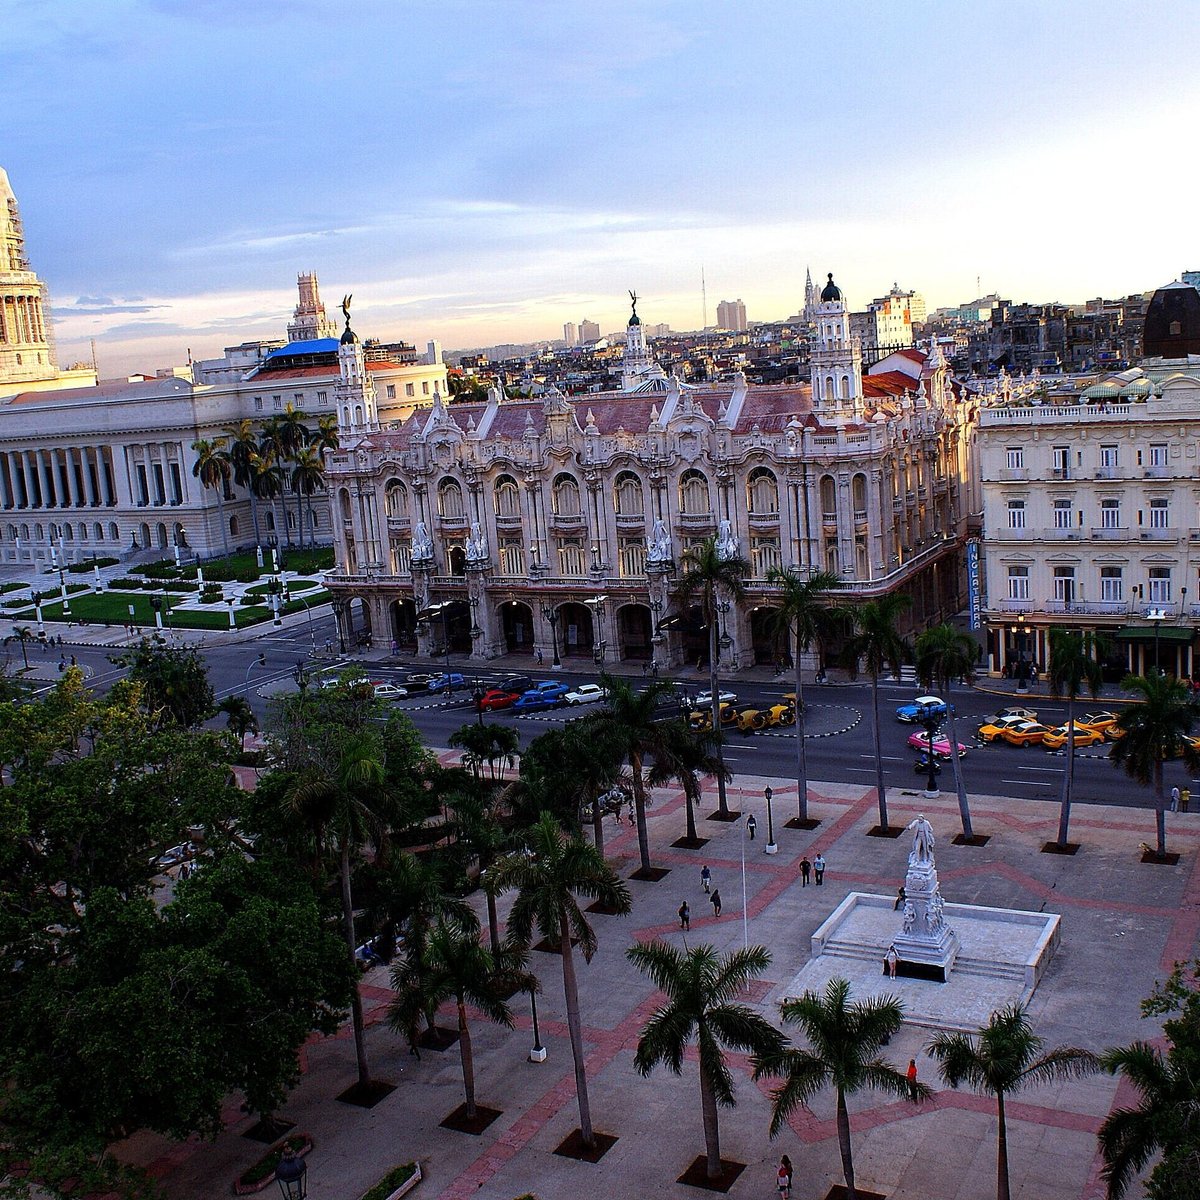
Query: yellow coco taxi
[1056, 739]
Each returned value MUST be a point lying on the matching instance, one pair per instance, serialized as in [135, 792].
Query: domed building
[1172, 327]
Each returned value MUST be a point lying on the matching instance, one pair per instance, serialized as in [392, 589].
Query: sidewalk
[1120, 920]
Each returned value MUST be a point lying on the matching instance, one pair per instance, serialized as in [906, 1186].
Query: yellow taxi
[1027, 733]
[1056, 739]
[751, 720]
[1101, 722]
[989, 731]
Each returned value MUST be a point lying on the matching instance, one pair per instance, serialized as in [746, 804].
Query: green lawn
[113, 609]
[296, 585]
[11, 587]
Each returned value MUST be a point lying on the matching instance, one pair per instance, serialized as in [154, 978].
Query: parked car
[1013, 710]
[419, 679]
[540, 697]
[1029, 733]
[496, 699]
[586, 693]
[1101, 722]
[941, 744]
[700, 719]
[389, 691]
[1056, 739]
[704, 700]
[446, 683]
[992, 729]
[517, 684]
[922, 709]
[343, 678]
[551, 687]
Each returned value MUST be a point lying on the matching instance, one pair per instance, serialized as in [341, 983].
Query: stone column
[32, 465]
[17, 467]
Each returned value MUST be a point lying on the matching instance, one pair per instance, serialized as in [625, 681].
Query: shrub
[164, 569]
[124, 583]
[77, 568]
[391, 1181]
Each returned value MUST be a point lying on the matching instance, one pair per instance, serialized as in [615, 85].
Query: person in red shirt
[912, 1078]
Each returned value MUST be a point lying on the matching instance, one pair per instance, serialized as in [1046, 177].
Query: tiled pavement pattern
[1124, 923]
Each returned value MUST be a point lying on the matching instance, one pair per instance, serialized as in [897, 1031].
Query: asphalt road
[838, 727]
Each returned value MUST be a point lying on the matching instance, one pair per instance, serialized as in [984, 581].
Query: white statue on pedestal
[659, 549]
[923, 842]
[727, 546]
[422, 544]
[477, 547]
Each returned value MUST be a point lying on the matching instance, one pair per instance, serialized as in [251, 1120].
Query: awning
[689, 622]
[1151, 633]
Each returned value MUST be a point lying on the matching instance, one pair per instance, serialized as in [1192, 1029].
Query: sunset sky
[482, 171]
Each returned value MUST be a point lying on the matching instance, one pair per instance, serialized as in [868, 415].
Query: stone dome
[1172, 327]
[831, 292]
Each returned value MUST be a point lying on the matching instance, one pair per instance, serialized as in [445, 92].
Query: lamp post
[300, 675]
[656, 606]
[745, 915]
[477, 696]
[260, 661]
[62, 588]
[538, 1053]
[771, 847]
[340, 608]
[550, 616]
[291, 1174]
[598, 642]
[37, 608]
[931, 785]
[1156, 616]
[156, 604]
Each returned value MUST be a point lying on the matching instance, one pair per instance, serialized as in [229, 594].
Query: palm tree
[267, 483]
[213, 469]
[23, 635]
[325, 436]
[878, 646]
[707, 573]
[1166, 1119]
[1156, 729]
[700, 987]
[682, 757]
[630, 718]
[456, 967]
[242, 441]
[1003, 1057]
[341, 806]
[1074, 664]
[845, 1040]
[273, 446]
[239, 717]
[945, 654]
[308, 477]
[558, 869]
[804, 612]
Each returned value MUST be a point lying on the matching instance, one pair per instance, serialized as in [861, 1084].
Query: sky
[482, 171]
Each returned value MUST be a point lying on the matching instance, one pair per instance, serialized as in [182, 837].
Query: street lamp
[156, 604]
[538, 1053]
[291, 1174]
[931, 785]
[62, 587]
[300, 675]
[771, 847]
[598, 644]
[260, 661]
[745, 916]
[340, 609]
[477, 696]
[1156, 616]
[550, 615]
[656, 607]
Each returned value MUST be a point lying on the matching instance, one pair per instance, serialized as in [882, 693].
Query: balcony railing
[1158, 535]
[1111, 533]
[1012, 474]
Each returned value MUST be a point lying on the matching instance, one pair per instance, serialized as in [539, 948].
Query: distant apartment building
[570, 334]
[1192, 277]
[887, 323]
[589, 332]
[731, 315]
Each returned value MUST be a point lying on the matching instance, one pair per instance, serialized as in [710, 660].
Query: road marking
[1048, 770]
[1024, 782]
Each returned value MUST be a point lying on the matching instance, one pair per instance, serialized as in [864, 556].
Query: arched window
[114, 531]
[25, 532]
[861, 570]
[233, 526]
[694, 498]
[83, 531]
[828, 500]
[628, 500]
[98, 531]
[762, 493]
[764, 557]
[68, 534]
[570, 558]
[507, 497]
[566, 497]
[632, 558]
[858, 489]
[344, 504]
[395, 500]
[456, 559]
[450, 500]
[39, 531]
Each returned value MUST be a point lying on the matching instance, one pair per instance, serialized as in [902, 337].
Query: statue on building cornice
[477, 547]
[659, 548]
[422, 545]
[727, 546]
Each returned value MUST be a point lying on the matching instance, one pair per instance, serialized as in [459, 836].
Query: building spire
[26, 343]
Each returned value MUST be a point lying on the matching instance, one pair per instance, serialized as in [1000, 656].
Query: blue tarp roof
[314, 346]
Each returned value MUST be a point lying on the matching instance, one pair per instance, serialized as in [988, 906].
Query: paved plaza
[1123, 925]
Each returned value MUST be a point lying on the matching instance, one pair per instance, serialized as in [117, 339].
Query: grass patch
[390, 1182]
[11, 587]
[294, 585]
[110, 609]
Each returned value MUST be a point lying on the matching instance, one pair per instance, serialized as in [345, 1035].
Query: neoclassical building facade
[559, 525]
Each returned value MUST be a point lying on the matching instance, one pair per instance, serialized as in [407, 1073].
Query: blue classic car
[921, 709]
[446, 683]
[541, 695]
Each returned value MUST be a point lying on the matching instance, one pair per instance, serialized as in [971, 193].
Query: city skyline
[485, 180]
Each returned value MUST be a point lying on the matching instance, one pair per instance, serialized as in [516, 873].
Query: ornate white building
[559, 524]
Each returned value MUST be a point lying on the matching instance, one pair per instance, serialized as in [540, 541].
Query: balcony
[1063, 535]
[398, 524]
[1158, 471]
[1086, 608]
[1113, 472]
[452, 520]
[567, 521]
[1013, 474]
[631, 521]
[1017, 534]
[1061, 473]
[1111, 533]
[695, 521]
[1159, 535]
[760, 520]
[508, 520]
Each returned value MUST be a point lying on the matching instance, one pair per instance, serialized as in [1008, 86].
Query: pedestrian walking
[705, 879]
[805, 867]
[752, 825]
[901, 896]
[785, 1177]
[891, 960]
[1174, 799]
[819, 869]
[654, 668]
[1185, 798]
[685, 917]
[912, 1078]
[716, 901]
